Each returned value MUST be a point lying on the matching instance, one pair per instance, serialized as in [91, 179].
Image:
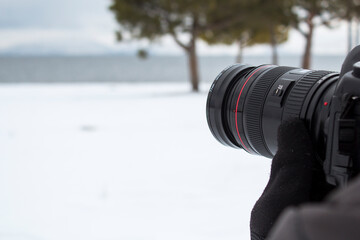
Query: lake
[97, 69]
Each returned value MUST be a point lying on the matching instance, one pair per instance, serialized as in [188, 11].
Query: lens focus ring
[254, 108]
[297, 96]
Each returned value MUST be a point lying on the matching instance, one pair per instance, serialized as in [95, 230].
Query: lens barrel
[246, 104]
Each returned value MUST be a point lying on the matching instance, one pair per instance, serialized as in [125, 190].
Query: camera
[246, 105]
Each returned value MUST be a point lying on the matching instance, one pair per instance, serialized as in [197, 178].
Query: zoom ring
[255, 105]
[295, 101]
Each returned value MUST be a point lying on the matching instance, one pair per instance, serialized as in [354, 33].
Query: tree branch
[178, 41]
[301, 31]
[219, 25]
[327, 21]
[174, 34]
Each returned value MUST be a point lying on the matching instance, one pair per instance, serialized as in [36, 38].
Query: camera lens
[246, 104]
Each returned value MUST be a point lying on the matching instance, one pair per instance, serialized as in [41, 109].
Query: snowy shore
[119, 161]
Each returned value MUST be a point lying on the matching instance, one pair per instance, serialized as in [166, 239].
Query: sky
[78, 27]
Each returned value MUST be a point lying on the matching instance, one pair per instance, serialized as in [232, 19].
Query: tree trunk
[239, 56]
[306, 64]
[350, 36]
[193, 66]
[357, 36]
[275, 58]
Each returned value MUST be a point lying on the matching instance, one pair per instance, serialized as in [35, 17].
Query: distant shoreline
[153, 56]
[130, 69]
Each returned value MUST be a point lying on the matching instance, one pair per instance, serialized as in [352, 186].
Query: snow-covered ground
[119, 161]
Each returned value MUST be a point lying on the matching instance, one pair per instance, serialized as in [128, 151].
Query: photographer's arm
[336, 218]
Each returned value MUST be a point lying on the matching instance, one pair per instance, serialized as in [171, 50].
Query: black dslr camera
[246, 105]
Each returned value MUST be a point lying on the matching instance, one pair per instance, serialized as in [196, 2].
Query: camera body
[247, 104]
[342, 157]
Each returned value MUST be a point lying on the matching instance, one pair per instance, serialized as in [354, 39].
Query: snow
[119, 161]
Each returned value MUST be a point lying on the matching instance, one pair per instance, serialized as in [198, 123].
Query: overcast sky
[87, 27]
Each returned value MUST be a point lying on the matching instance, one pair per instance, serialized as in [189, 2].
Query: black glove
[296, 177]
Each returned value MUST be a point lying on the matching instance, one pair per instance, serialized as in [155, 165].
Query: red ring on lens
[237, 105]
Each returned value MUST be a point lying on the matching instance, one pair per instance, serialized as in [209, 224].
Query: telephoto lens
[246, 105]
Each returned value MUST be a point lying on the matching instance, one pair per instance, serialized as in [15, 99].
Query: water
[51, 69]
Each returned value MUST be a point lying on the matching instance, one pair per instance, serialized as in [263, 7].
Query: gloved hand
[296, 177]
